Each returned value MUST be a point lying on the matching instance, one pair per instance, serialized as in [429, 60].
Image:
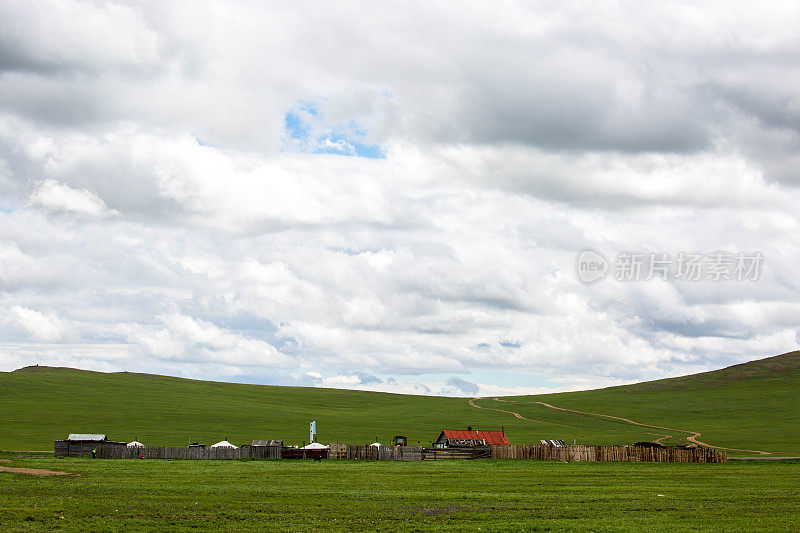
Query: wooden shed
[78, 444]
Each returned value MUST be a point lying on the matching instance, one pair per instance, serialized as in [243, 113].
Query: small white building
[315, 446]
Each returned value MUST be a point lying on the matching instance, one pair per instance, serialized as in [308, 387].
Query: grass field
[487, 495]
[755, 406]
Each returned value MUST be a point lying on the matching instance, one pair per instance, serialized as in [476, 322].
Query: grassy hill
[754, 405]
[751, 406]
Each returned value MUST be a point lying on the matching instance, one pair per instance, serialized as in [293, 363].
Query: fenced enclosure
[668, 454]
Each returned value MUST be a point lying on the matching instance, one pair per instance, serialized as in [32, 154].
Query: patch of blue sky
[504, 378]
[201, 142]
[355, 251]
[510, 344]
[296, 126]
[486, 346]
[306, 132]
[501, 378]
[373, 151]
[339, 144]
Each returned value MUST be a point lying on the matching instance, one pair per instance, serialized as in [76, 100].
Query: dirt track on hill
[692, 437]
[471, 402]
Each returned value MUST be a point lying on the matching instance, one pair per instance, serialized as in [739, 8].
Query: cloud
[538, 75]
[382, 200]
[179, 337]
[56, 35]
[45, 327]
[56, 196]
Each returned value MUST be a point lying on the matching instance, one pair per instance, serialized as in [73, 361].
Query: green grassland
[487, 495]
[755, 406]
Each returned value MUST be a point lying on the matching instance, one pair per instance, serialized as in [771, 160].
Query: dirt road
[692, 436]
[471, 402]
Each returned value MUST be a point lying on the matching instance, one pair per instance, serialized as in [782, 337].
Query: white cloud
[178, 337]
[156, 210]
[46, 327]
[340, 146]
[74, 34]
[56, 196]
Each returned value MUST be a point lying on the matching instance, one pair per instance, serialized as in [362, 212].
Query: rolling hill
[753, 406]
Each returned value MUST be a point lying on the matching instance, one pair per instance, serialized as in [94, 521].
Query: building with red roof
[459, 438]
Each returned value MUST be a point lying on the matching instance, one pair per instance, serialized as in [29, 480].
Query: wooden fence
[118, 451]
[404, 453]
[174, 452]
[474, 452]
[375, 453]
[669, 454]
[672, 454]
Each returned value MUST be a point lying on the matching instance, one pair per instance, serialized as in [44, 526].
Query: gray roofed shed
[267, 443]
[95, 437]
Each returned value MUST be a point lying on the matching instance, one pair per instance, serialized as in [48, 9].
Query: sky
[394, 196]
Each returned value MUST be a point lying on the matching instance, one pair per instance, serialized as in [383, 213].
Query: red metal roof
[492, 438]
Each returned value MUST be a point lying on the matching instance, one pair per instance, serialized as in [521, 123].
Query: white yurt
[135, 444]
[315, 446]
[223, 444]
